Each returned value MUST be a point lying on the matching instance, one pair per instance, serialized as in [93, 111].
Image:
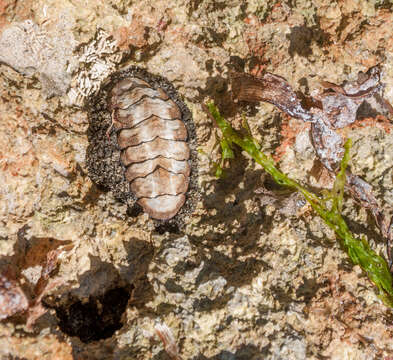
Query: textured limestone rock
[30, 48]
[254, 274]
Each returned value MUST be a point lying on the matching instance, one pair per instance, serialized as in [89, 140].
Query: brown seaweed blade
[362, 192]
[276, 90]
[327, 143]
[339, 107]
[269, 88]
[366, 85]
[340, 103]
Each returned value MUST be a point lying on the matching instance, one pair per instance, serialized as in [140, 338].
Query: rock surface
[253, 274]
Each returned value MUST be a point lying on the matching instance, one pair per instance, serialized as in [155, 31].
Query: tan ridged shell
[154, 149]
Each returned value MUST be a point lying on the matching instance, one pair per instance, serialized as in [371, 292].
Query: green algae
[328, 207]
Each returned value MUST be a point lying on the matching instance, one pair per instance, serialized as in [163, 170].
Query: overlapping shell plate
[142, 144]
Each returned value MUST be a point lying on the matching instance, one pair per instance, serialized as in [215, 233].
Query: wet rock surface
[253, 273]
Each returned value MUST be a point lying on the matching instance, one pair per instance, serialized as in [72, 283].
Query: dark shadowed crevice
[96, 319]
[167, 227]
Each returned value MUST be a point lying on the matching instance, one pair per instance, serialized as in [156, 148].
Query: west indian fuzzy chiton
[142, 144]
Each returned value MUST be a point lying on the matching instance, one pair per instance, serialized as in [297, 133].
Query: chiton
[142, 144]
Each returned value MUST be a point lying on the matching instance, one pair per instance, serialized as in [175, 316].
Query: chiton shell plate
[142, 144]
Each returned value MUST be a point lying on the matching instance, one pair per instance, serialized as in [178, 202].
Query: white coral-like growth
[98, 59]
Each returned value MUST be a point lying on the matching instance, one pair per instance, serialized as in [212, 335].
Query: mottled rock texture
[254, 273]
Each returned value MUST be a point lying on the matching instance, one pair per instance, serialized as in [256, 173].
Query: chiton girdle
[142, 144]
